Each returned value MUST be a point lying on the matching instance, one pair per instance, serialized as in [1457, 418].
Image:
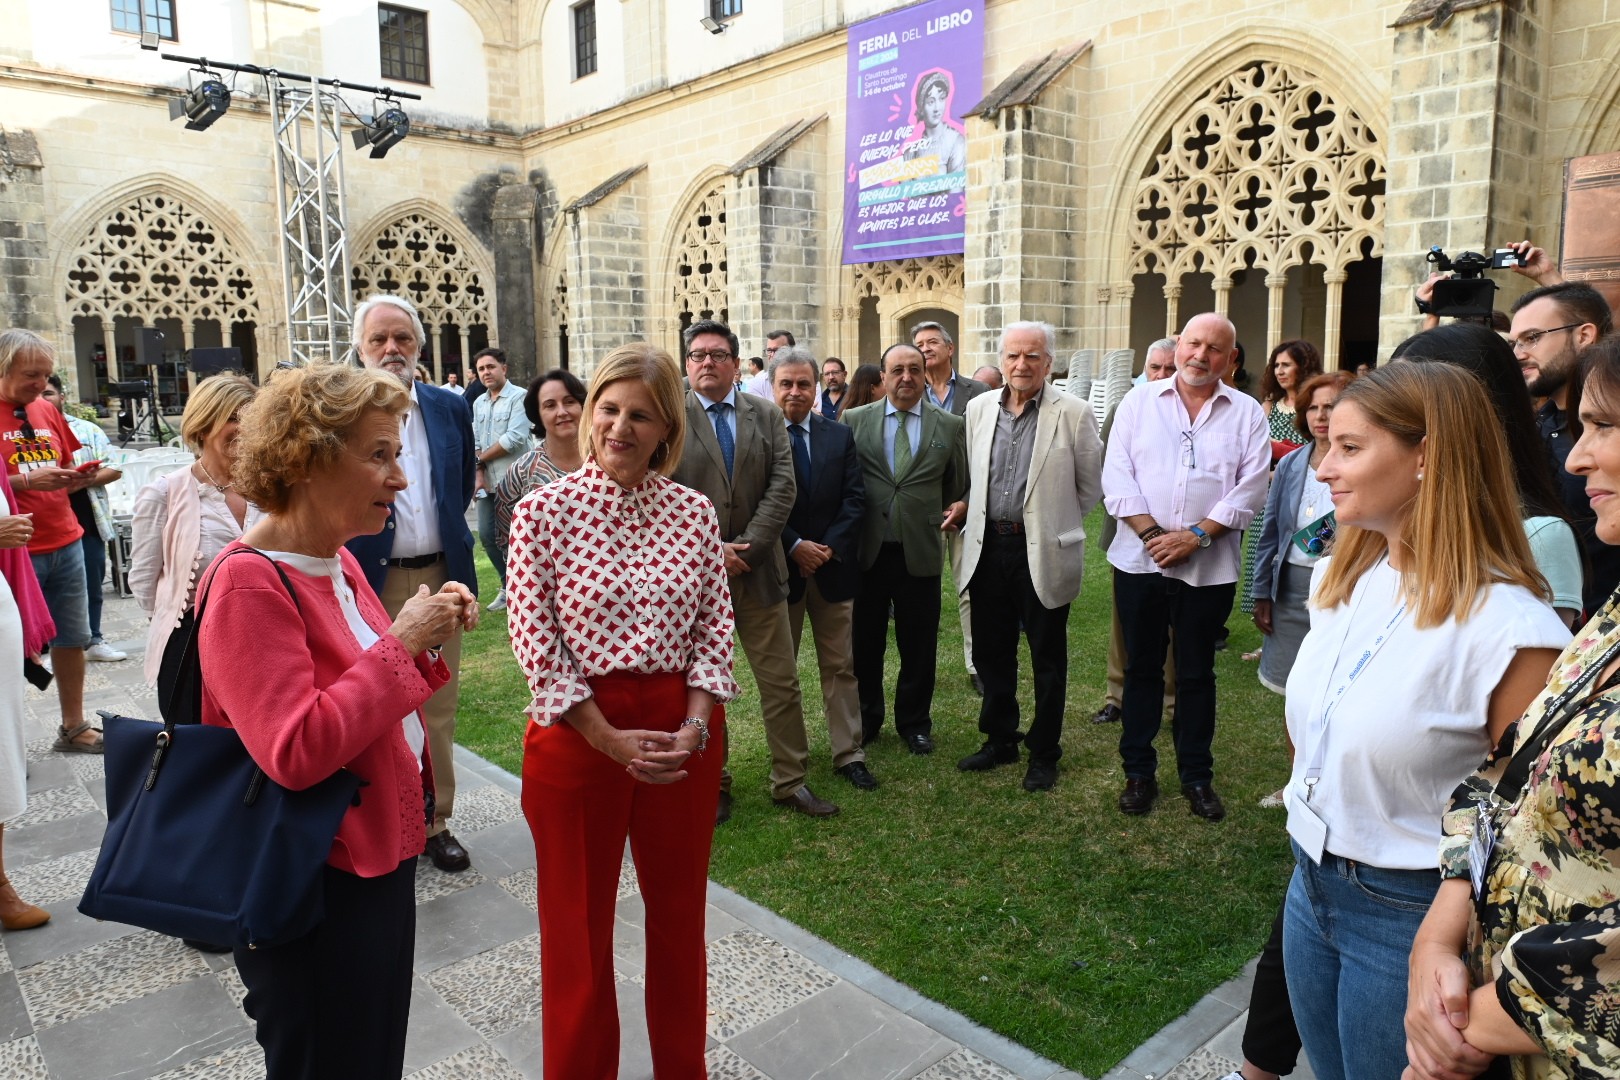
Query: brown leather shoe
[17, 913]
[1138, 796]
[1202, 800]
[447, 853]
[808, 802]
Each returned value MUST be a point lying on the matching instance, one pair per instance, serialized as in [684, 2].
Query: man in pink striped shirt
[1187, 467]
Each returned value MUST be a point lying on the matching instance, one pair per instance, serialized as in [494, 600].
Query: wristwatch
[1202, 536]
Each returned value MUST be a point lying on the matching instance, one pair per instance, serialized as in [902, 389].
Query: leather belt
[1006, 528]
[416, 562]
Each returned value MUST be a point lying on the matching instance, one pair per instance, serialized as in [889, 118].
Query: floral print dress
[1548, 929]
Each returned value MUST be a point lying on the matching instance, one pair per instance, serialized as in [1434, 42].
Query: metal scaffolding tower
[306, 116]
[308, 124]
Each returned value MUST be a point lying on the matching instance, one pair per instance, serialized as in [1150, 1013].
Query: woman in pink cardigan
[318, 679]
[183, 520]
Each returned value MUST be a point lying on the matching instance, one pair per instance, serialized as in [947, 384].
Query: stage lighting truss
[206, 101]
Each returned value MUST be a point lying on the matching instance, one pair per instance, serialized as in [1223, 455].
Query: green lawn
[1050, 918]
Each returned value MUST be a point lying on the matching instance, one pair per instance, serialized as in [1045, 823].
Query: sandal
[1273, 801]
[1251, 657]
[65, 743]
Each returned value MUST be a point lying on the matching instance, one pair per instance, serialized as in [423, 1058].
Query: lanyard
[1335, 694]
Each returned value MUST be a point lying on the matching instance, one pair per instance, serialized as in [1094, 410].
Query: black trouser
[1150, 606]
[174, 651]
[1270, 1039]
[1002, 595]
[916, 636]
[336, 1002]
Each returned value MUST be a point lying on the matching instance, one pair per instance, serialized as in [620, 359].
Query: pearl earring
[1420, 476]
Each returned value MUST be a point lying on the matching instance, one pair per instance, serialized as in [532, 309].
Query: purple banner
[912, 75]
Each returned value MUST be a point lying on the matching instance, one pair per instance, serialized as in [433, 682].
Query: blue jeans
[1347, 931]
[487, 537]
[61, 579]
[95, 578]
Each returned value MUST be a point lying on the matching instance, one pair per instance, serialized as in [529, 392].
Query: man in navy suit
[426, 541]
[822, 542]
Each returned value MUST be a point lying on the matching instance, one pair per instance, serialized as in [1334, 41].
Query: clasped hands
[1171, 548]
[653, 757]
[427, 619]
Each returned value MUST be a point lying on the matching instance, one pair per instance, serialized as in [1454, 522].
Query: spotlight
[385, 130]
[202, 104]
[712, 25]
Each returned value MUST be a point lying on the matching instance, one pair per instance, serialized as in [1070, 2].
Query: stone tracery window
[419, 259]
[700, 261]
[1266, 171]
[935, 274]
[154, 258]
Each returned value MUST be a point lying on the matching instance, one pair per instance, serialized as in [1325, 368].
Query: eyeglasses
[21, 415]
[1188, 458]
[717, 356]
[1528, 339]
[1318, 541]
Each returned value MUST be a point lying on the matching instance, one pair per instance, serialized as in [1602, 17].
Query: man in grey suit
[739, 458]
[914, 461]
[1035, 463]
[951, 392]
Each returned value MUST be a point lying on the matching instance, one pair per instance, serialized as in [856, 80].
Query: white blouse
[1412, 725]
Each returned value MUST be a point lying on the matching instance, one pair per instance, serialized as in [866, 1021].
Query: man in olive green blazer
[908, 488]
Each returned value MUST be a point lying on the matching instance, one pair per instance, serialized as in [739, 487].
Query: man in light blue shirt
[500, 437]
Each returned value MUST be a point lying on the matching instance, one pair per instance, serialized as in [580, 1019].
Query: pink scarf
[18, 570]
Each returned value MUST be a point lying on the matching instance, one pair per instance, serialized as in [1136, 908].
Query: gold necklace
[217, 486]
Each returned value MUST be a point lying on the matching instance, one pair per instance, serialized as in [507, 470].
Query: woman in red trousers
[620, 615]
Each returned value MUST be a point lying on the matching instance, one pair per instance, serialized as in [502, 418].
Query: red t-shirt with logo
[53, 443]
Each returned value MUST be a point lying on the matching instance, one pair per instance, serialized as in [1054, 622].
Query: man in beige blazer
[738, 455]
[914, 464]
[1035, 469]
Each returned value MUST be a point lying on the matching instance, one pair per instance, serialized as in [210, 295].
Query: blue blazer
[829, 512]
[448, 420]
[1282, 503]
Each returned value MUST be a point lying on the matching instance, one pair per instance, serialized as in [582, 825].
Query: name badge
[1480, 845]
[1305, 825]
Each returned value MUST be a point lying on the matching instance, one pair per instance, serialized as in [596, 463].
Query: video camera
[1467, 293]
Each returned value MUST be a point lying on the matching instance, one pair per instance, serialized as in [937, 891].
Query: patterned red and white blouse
[602, 578]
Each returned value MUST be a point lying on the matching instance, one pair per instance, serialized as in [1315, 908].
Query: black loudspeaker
[206, 362]
[148, 346]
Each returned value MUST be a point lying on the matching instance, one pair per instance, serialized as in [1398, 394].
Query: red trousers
[581, 805]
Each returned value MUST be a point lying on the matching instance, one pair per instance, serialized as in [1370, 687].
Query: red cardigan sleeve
[292, 680]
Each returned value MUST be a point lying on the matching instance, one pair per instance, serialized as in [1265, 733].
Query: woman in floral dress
[1524, 963]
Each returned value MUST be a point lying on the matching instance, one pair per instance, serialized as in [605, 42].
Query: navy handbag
[200, 844]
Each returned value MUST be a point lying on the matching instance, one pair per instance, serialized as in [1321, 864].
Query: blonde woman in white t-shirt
[1431, 631]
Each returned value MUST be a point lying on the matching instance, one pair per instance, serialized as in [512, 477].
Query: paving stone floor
[81, 1000]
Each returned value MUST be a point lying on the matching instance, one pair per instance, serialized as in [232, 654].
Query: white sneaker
[499, 603]
[105, 653]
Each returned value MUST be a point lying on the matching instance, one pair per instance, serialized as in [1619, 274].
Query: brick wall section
[607, 290]
[1466, 111]
[25, 288]
[1022, 173]
[775, 224]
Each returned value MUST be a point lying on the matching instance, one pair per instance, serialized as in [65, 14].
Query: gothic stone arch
[153, 256]
[899, 288]
[1265, 171]
[698, 271]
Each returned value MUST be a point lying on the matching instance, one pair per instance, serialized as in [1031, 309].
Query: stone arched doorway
[1264, 201]
[154, 261]
[891, 296]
